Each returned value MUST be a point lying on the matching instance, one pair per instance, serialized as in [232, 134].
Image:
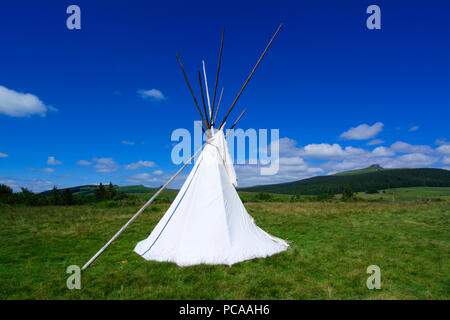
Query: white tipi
[207, 222]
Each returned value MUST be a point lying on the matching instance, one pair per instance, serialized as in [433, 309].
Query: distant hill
[372, 168]
[373, 177]
[89, 189]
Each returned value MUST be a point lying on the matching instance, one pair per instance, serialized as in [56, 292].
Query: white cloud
[382, 152]
[363, 132]
[334, 166]
[412, 160]
[444, 149]
[11, 183]
[3, 155]
[145, 178]
[290, 169]
[83, 163]
[375, 142]
[152, 94]
[404, 147]
[141, 176]
[35, 185]
[328, 151]
[441, 141]
[47, 170]
[52, 161]
[158, 172]
[105, 165]
[414, 128]
[446, 160]
[129, 143]
[139, 164]
[322, 150]
[17, 104]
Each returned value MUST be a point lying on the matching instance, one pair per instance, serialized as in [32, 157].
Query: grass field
[332, 244]
[408, 194]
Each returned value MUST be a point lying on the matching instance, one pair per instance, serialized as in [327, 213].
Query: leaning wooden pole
[192, 92]
[239, 118]
[141, 209]
[139, 212]
[218, 70]
[218, 105]
[251, 73]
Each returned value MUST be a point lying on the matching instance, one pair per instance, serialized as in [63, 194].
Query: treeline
[58, 197]
[393, 178]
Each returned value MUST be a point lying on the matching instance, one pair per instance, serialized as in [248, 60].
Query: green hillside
[372, 168]
[365, 179]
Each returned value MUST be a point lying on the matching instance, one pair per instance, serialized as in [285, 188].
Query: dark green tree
[55, 196]
[5, 190]
[28, 197]
[6, 194]
[348, 193]
[111, 191]
[67, 198]
[100, 192]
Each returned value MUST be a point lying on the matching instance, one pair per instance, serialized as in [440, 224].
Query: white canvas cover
[207, 222]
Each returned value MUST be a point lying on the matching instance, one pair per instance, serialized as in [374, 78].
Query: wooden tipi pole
[218, 105]
[192, 92]
[218, 69]
[251, 73]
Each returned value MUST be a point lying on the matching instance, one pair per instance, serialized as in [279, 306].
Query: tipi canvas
[207, 222]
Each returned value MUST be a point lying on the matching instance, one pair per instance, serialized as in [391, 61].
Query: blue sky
[72, 95]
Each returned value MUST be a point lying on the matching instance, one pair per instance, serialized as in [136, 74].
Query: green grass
[409, 194]
[332, 244]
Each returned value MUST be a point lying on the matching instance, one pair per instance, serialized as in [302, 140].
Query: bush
[243, 198]
[372, 191]
[262, 196]
[324, 197]
[347, 194]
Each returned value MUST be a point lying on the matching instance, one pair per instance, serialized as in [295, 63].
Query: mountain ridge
[360, 180]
